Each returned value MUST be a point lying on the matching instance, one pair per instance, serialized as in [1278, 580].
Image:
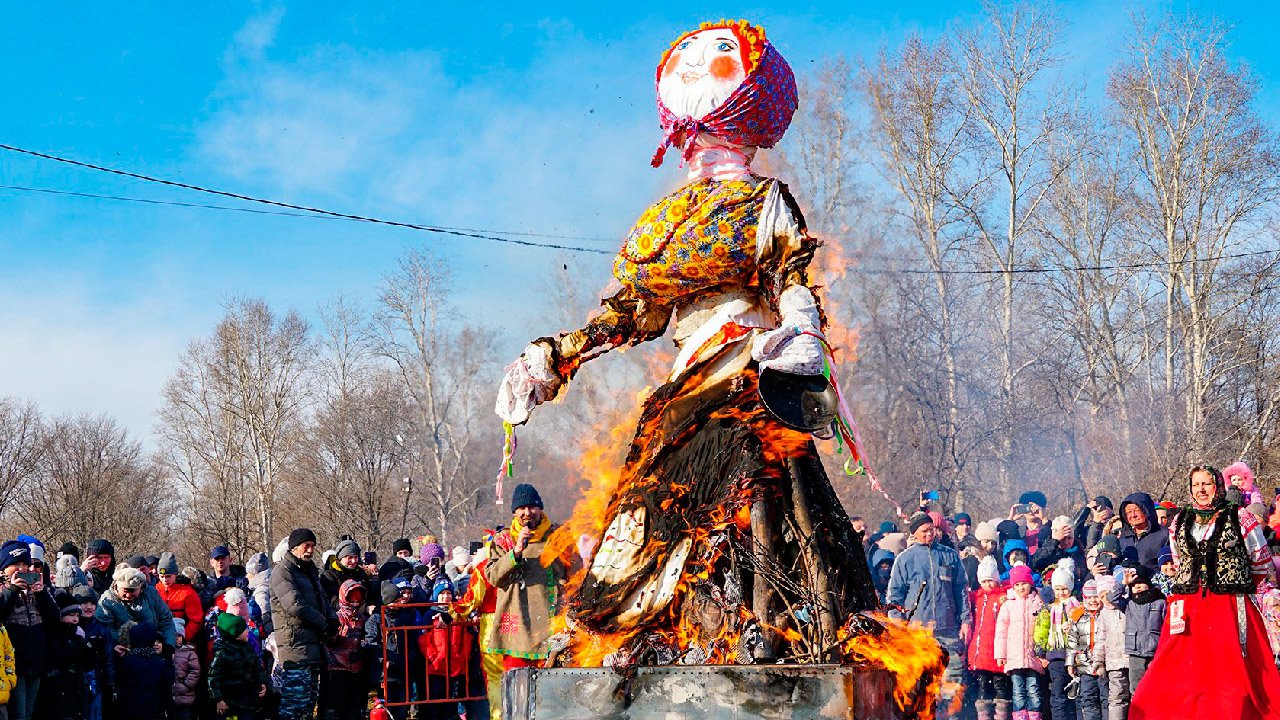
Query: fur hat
[100, 547]
[1241, 469]
[401, 544]
[1033, 496]
[988, 569]
[127, 577]
[1064, 576]
[985, 531]
[1019, 574]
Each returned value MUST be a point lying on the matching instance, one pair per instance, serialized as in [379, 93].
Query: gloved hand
[529, 382]
[792, 347]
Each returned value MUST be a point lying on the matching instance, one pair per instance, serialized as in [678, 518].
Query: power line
[303, 208]
[1065, 268]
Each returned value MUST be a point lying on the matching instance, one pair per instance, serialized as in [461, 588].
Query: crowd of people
[1140, 610]
[86, 635]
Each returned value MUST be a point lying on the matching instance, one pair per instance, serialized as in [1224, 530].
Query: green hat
[231, 625]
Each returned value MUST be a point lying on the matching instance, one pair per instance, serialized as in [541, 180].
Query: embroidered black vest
[1220, 563]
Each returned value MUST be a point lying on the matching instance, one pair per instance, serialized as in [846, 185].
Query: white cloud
[255, 36]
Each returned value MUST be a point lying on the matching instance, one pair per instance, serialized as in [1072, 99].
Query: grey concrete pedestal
[713, 692]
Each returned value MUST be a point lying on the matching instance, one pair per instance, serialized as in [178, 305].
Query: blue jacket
[944, 599]
[1143, 621]
[1142, 550]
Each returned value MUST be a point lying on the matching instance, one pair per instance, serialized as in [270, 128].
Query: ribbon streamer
[506, 470]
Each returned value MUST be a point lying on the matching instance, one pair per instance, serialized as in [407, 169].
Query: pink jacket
[1015, 627]
[186, 675]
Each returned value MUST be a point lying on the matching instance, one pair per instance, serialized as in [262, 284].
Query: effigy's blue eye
[683, 45]
[724, 47]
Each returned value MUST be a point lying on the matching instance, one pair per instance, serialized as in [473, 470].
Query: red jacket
[447, 648]
[982, 643]
[183, 602]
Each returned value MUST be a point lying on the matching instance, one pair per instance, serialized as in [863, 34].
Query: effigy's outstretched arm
[547, 365]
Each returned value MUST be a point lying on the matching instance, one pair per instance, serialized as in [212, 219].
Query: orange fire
[909, 652]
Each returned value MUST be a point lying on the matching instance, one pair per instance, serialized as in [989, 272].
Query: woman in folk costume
[1213, 660]
[723, 262]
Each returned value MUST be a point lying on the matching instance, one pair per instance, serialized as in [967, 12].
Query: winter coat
[101, 579]
[183, 602]
[447, 648]
[526, 598]
[144, 679]
[99, 637]
[878, 556]
[25, 614]
[260, 594]
[1051, 552]
[1015, 623]
[944, 600]
[400, 646]
[334, 575]
[1108, 640]
[1143, 622]
[1142, 550]
[63, 692]
[1082, 640]
[8, 666]
[1052, 627]
[235, 675]
[117, 614]
[186, 675]
[344, 648]
[982, 641]
[299, 612]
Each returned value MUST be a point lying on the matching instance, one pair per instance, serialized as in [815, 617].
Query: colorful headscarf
[757, 114]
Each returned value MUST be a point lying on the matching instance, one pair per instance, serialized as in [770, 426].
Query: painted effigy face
[702, 72]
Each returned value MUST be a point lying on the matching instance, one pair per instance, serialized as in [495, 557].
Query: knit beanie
[1106, 583]
[37, 551]
[346, 548]
[136, 562]
[299, 536]
[84, 594]
[460, 557]
[1064, 576]
[100, 547]
[988, 569]
[1020, 573]
[168, 564]
[1090, 589]
[430, 551]
[525, 495]
[1166, 555]
[143, 634]
[67, 604]
[985, 531]
[389, 592]
[257, 564]
[179, 627]
[69, 548]
[401, 544]
[13, 552]
[231, 625]
[370, 558]
[919, 520]
[441, 584]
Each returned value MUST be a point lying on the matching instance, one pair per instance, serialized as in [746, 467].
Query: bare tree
[20, 448]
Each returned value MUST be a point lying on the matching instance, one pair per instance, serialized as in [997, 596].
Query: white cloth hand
[796, 345]
[528, 382]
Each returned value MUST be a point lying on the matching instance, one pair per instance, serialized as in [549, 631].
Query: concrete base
[713, 692]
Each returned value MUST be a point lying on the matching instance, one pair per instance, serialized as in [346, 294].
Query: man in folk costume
[1213, 658]
[724, 261]
[526, 590]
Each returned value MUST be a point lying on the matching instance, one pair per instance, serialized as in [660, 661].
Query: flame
[909, 652]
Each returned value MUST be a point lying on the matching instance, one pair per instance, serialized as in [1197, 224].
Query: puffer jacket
[8, 667]
[1142, 549]
[1109, 636]
[183, 602]
[24, 615]
[186, 670]
[447, 648]
[1082, 640]
[1015, 646]
[118, 615]
[1143, 620]
[982, 643]
[944, 600]
[299, 612]
[1053, 626]
[260, 592]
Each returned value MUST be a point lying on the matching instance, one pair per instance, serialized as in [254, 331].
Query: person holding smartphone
[26, 606]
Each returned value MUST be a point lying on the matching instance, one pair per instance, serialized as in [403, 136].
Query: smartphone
[1021, 509]
[930, 495]
[30, 578]
[474, 547]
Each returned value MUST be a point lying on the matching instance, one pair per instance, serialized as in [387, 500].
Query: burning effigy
[720, 539]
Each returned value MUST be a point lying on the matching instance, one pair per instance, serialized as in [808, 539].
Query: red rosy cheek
[672, 61]
[724, 68]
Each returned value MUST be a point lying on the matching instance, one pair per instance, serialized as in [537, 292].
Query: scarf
[349, 612]
[539, 533]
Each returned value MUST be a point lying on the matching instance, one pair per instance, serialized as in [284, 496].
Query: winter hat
[100, 547]
[888, 526]
[988, 569]
[1033, 496]
[389, 592]
[401, 544]
[168, 564]
[985, 531]
[179, 627]
[1008, 530]
[1259, 511]
[37, 551]
[894, 542]
[441, 584]
[1011, 545]
[347, 548]
[431, 551]
[1064, 576]
[233, 596]
[1090, 589]
[1020, 573]
[136, 562]
[231, 626]
[919, 520]
[128, 577]
[1166, 555]
[1062, 521]
[67, 604]
[143, 634]
[1143, 574]
[84, 594]
[1241, 469]
[69, 548]
[1109, 543]
[370, 558]
[299, 536]
[153, 560]
[1104, 501]
[460, 557]
[962, 519]
[525, 495]
[1105, 583]
[14, 551]
[257, 564]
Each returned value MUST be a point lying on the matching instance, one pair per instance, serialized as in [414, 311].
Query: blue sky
[530, 117]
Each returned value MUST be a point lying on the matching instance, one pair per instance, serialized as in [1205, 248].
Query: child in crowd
[144, 679]
[991, 685]
[1144, 607]
[236, 677]
[186, 674]
[1015, 644]
[348, 684]
[400, 650]
[447, 649]
[1110, 661]
[63, 692]
[1053, 626]
[99, 677]
[1082, 648]
[1164, 579]
[1239, 475]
